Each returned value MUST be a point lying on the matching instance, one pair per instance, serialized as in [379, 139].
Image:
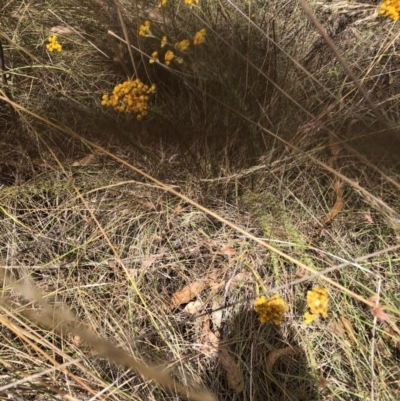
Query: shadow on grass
[271, 362]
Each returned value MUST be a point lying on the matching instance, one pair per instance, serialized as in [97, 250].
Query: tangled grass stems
[90, 277]
[197, 205]
[61, 320]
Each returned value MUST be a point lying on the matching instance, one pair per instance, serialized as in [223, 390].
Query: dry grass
[259, 127]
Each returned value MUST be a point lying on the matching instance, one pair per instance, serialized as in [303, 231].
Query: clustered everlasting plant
[162, 3]
[390, 8]
[199, 37]
[130, 97]
[133, 96]
[181, 46]
[274, 308]
[317, 302]
[144, 30]
[53, 44]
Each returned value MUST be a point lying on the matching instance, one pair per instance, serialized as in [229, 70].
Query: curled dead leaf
[368, 218]
[187, 293]
[193, 307]
[62, 30]
[209, 339]
[227, 361]
[229, 364]
[274, 355]
[84, 161]
[216, 315]
[339, 204]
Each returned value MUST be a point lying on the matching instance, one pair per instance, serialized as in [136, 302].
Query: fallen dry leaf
[228, 250]
[274, 355]
[338, 206]
[210, 339]
[187, 293]
[63, 30]
[368, 218]
[216, 315]
[84, 161]
[193, 307]
[228, 363]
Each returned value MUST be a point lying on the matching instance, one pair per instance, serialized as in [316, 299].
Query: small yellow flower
[199, 37]
[131, 96]
[154, 57]
[273, 309]
[309, 317]
[179, 60]
[163, 41]
[183, 45]
[169, 56]
[144, 30]
[162, 3]
[390, 8]
[191, 2]
[317, 301]
[53, 44]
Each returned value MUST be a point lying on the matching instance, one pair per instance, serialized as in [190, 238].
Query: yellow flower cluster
[317, 301]
[130, 97]
[199, 37]
[164, 41]
[191, 2]
[390, 8]
[53, 44]
[154, 57]
[144, 30]
[169, 56]
[273, 309]
[183, 45]
[162, 3]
